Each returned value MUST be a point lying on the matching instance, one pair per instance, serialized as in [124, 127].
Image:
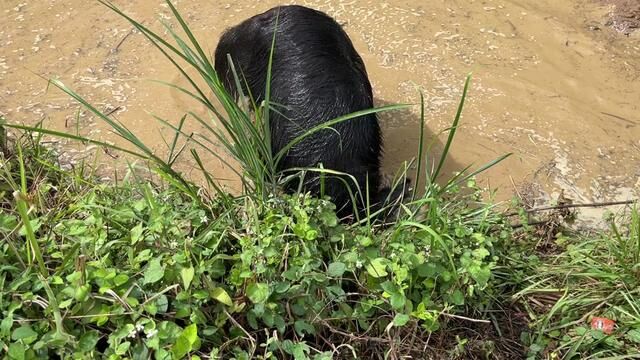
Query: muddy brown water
[554, 83]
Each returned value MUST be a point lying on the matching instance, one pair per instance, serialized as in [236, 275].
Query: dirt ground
[557, 83]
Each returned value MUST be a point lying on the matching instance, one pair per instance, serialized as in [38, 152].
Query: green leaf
[278, 321]
[480, 253]
[16, 351]
[136, 234]
[377, 268]
[401, 320]
[162, 304]
[23, 332]
[65, 304]
[398, 300]
[329, 218]
[427, 270]
[303, 327]
[143, 255]
[35, 224]
[281, 287]
[336, 269]
[364, 240]
[123, 348]
[88, 341]
[252, 320]
[258, 293]
[162, 354]
[151, 308]
[120, 279]
[7, 222]
[457, 297]
[82, 293]
[77, 229]
[6, 324]
[221, 295]
[140, 352]
[180, 348]
[327, 355]
[581, 330]
[185, 342]
[298, 350]
[395, 293]
[191, 333]
[154, 272]
[201, 295]
[187, 276]
[480, 274]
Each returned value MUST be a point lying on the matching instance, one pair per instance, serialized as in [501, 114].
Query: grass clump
[588, 276]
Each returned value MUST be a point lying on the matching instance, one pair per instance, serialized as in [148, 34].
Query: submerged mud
[556, 83]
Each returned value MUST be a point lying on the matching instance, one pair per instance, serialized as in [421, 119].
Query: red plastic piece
[604, 324]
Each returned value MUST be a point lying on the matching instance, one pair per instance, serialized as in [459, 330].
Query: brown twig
[253, 340]
[113, 110]
[115, 49]
[619, 118]
[569, 206]
[354, 337]
[466, 318]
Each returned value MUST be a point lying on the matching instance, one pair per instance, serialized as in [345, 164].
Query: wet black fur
[317, 76]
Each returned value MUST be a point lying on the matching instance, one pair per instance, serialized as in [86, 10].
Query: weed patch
[138, 269]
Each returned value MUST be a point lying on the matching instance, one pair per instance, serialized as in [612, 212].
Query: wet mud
[556, 83]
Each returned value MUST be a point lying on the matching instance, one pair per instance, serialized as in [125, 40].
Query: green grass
[165, 270]
[587, 276]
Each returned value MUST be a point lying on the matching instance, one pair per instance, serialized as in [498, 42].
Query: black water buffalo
[317, 76]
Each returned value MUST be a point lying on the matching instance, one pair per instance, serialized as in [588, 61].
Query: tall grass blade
[453, 129]
[60, 333]
[210, 181]
[186, 29]
[457, 181]
[420, 147]
[173, 154]
[33, 248]
[267, 98]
